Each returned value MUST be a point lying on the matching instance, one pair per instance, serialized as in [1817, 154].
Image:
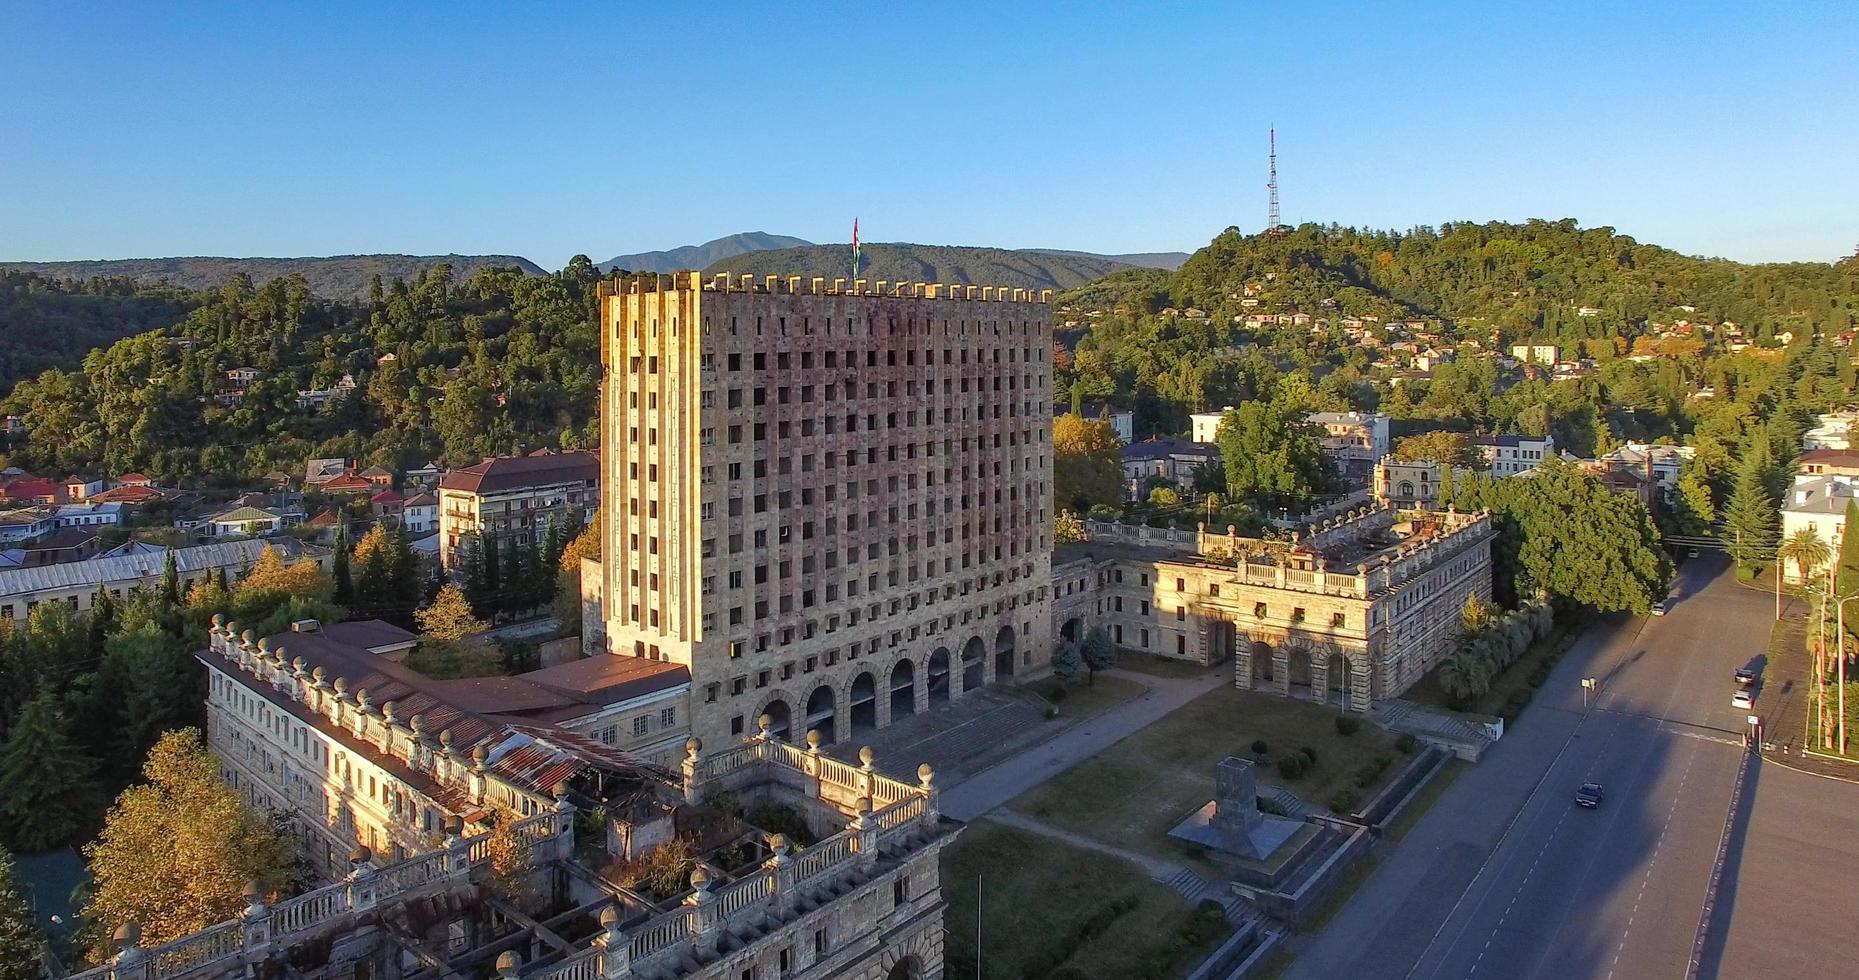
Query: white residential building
[89, 515]
[1511, 455]
[1832, 431]
[1205, 426]
[1544, 354]
[1817, 503]
[1356, 441]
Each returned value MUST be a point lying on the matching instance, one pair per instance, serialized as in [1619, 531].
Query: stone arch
[1003, 654]
[974, 664]
[1407, 489]
[903, 689]
[1264, 651]
[1072, 632]
[861, 704]
[779, 709]
[820, 714]
[936, 676]
[1297, 662]
[908, 968]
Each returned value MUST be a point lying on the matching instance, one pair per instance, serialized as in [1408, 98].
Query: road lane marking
[1651, 863]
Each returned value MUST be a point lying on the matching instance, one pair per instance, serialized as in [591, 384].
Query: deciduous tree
[1273, 457]
[178, 850]
[1087, 462]
[448, 617]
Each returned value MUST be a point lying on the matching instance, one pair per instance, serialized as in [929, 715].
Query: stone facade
[1351, 612]
[830, 501]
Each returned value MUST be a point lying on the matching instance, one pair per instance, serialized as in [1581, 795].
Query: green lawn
[1134, 792]
[1053, 910]
[1082, 700]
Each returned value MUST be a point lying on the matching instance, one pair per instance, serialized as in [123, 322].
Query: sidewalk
[981, 792]
[1784, 701]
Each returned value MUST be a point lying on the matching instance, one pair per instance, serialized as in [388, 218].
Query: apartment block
[829, 500]
[515, 498]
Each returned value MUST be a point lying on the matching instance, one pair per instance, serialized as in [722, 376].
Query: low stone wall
[1298, 906]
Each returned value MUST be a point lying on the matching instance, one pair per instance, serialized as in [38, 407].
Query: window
[668, 717]
[639, 725]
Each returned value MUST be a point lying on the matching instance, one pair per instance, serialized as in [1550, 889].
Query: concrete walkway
[981, 792]
[1154, 867]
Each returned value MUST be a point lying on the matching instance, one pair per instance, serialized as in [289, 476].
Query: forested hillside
[701, 256]
[1527, 279]
[903, 262]
[500, 362]
[333, 277]
[48, 323]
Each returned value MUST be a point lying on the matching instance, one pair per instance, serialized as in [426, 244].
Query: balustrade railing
[308, 909]
[226, 939]
[823, 857]
[752, 890]
[584, 965]
[834, 771]
[661, 933]
[201, 948]
[900, 814]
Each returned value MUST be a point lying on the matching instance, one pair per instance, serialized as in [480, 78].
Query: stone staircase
[1294, 806]
[1194, 889]
[1431, 725]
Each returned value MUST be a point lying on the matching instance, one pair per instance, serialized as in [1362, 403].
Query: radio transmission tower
[1271, 185]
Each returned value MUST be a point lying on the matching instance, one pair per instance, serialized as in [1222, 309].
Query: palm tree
[1464, 675]
[1806, 549]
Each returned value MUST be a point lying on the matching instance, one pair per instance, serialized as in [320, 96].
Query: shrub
[1344, 801]
[1259, 747]
[1407, 743]
[1271, 805]
[1347, 726]
[1309, 753]
[1057, 693]
[1292, 766]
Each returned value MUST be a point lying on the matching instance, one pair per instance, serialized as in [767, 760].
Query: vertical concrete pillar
[1281, 670]
[1242, 664]
[1319, 676]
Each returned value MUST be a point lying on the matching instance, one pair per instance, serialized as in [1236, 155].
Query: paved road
[1506, 878]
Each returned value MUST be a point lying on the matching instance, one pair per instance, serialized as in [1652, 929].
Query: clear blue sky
[269, 129]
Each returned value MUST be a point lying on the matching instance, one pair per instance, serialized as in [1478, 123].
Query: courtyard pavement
[976, 794]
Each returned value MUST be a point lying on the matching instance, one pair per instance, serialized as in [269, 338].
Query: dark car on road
[1745, 676]
[1589, 795]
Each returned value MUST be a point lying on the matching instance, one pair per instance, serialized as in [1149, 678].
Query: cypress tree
[170, 582]
[339, 568]
[492, 575]
[46, 782]
[1846, 572]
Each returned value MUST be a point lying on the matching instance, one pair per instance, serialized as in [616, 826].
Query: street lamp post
[1840, 641]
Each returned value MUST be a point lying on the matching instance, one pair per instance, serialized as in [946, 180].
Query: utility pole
[1271, 185]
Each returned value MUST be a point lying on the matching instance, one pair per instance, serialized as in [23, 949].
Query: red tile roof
[348, 482]
[516, 472]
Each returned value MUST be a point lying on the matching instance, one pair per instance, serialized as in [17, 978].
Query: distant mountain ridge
[333, 276]
[907, 262]
[701, 256]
